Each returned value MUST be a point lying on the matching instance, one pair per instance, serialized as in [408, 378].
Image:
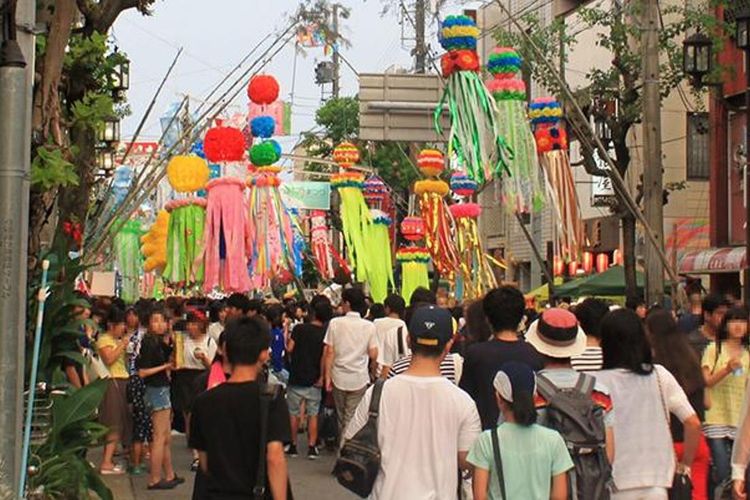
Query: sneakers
[291, 450]
[313, 453]
[137, 470]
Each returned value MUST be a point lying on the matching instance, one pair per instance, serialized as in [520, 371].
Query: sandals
[117, 470]
[195, 465]
[162, 485]
[176, 480]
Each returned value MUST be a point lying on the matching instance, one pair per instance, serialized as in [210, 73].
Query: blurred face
[131, 320]
[232, 312]
[641, 311]
[222, 315]
[737, 329]
[117, 330]
[157, 324]
[713, 319]
[442, 302]
[83, 313]
[194, 329]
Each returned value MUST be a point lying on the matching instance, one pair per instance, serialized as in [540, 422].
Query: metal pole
[746, 284]
[653, 188]
[420, 50]
[15, 134]
[336, 58]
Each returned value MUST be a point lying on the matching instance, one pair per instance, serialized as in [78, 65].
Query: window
[697, 146]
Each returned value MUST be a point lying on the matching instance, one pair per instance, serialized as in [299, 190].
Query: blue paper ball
[262, 126]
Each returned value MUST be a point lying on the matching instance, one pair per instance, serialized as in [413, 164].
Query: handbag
[268, 392]
[682, 486]
[358, 464]
[498, 463]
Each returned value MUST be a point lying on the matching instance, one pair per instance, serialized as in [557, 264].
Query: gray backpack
[580, 422]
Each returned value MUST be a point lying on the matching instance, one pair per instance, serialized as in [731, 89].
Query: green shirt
[531, 456]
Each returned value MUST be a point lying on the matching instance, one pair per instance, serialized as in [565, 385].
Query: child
[534, 458]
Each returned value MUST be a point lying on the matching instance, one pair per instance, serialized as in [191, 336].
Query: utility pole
[336, 57]
[16, 62]
[653, 189]
[420, 49]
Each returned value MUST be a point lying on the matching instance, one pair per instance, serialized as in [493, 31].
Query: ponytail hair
[523, 408]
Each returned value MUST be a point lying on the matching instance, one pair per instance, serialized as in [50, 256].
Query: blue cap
[431, 326]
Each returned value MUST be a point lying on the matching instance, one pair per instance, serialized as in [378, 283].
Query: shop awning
[713, 260]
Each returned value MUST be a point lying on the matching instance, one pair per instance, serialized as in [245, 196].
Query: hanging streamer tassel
[355, 218]
[476, 274]
[438, 225]
[185, 241]
[321, 245]
[414, 274]
[226, 221]
[379, 262]
[129, 260]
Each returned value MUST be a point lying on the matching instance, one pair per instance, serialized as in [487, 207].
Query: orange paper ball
[431, 162]
[346, 155]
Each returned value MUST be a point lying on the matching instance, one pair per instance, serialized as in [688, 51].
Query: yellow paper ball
[187, 173]
[154, 246]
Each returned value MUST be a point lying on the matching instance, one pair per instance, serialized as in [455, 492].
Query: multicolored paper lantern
[346, 155]
[413, 228]
[462, 185]
[263, 89]
[431, 162]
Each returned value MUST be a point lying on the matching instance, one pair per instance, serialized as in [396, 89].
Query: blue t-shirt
[531, 457]
[277, 348]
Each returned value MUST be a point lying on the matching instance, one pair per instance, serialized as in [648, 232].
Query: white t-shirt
[214, 330]
[644, 456]
[423, 423]
[387, 334]
[351, 337]
[205, 344]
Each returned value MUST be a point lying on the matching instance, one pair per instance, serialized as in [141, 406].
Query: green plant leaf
[49, 169]
[96, 484]
[79, 406]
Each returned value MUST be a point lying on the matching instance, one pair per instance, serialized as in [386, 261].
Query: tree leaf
[80, 405]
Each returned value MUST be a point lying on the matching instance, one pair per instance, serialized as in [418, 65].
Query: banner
[306, 195]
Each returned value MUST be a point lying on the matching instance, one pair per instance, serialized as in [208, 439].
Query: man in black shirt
[504, 308]
[306, 374]
[714, 308]
[225, 426]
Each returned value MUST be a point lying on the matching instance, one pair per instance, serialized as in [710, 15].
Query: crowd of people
[487, 399]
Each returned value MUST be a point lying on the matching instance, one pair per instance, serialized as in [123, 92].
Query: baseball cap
[514, 377]
[431, 326]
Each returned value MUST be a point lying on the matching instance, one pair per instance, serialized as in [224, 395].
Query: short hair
[590, 313]
[426, 351]
[245, 339]
[504, 307]
[376, 311]
[633, 302]
[396, 304]
[322, 310]
[115, 315]
[239, 301]
[255, 305]
[214, 309]
[422, 295]
[624, 343]
[356, 299]
[274, 314]
[712, 302]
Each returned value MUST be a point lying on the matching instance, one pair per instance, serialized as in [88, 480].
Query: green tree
[617, 86]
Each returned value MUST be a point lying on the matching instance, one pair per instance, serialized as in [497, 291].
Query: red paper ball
[263, 89]
[224, 144]
[412, 228]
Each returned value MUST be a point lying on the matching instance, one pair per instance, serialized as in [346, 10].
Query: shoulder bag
[498, 462]
[358, 464]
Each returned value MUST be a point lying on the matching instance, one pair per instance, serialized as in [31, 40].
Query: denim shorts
[157, 398]
[311, 395]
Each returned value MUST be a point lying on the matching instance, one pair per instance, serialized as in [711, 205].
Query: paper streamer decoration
[523, 190]
[129, 260]
[154, 243]
[438, 225]
[414, 274]
[476, 275]
[379, 261]
[322, 248]
[552, 144]
[474, 135]
[226, 228]
[185, 240]
[355, 218]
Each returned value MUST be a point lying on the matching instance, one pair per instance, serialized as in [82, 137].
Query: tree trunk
[628, 253]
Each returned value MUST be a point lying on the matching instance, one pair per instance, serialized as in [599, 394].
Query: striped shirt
[447, 367]
[589, 361]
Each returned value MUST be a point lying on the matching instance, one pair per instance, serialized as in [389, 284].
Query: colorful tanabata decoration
[187, 175]
[322, 248]
[476, 276]
[355, 214]
[552, 145]
[523, 190]
[129, 260]
[379, 261]
[224, 144]
[271, 230]
[435, 214]
[154, 243]
[474, 136]
[413, 260]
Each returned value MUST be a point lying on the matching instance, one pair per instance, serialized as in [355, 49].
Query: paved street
[310, 479]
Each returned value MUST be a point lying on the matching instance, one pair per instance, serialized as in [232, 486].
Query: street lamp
[602, 130]
[697, 57]
[105, 161]
[120, 77]
[110, 131]
[742, 38]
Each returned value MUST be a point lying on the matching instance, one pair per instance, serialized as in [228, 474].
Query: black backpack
[580, 422]
[358, 464]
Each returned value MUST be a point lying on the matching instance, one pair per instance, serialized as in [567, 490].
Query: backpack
[358, 464]
[580, 422]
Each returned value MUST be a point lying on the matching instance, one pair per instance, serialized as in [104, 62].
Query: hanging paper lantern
[187, 173]
[504, 62]
[265, 153]
[462, 185]
[414, 274]
[459, 33]
[507, 90]
[572, 268]
[545, 111]
[374, 191]
[262, 126]
[551, 139]
[588, 262]
[431, 162]
[412, 228]
[431, 186]
[223, 144]
[346, 155]
[558, 266]
[617, 257]
[602, 262]
[263, 89]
